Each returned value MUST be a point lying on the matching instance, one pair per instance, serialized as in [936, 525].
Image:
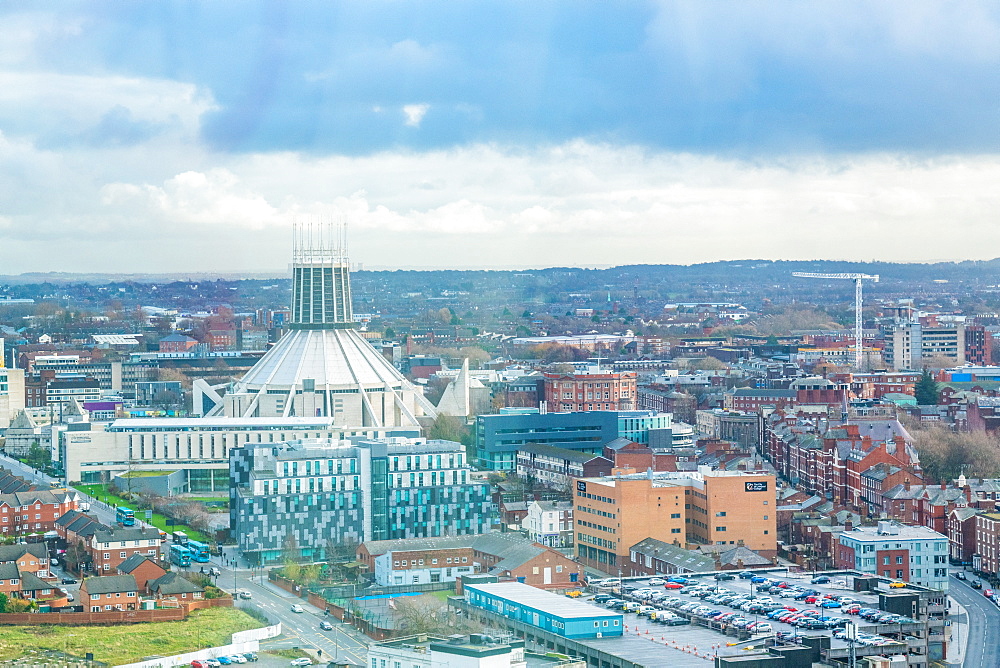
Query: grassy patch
[116, 645]
[286, 653]
[101, 493]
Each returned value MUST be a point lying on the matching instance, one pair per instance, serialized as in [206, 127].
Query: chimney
[944, 485]
[848, 525]
[906, 484]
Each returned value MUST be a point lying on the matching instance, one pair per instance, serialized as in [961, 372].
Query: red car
[988, 593]
[673, 585]
[853, 609]
[791, 609]
[811, 599]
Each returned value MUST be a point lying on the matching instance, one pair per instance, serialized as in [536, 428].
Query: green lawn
[116, 645]
[159, 521]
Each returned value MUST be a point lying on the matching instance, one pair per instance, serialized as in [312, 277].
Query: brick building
[34, 511]
[108, 548]
[506, 555]
[142, 568]
[684, 508]
[962, 534]
[986, 555]
[590, 391]
[109, 592]
[908, 553]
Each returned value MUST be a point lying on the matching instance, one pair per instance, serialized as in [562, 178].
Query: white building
[11, 394]
[459, 651]
[550, 523]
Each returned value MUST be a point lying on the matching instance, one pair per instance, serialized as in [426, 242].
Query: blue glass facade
[498, 437]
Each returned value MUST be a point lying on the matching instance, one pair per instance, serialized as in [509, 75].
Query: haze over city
[175, 137]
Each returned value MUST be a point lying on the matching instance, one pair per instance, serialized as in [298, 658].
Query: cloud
[415, 114]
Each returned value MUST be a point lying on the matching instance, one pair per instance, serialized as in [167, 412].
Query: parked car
[68, 581]
[819, 580]
[673, 585]
[896, 584]
[237, 658]
[725, 576]
[224, 660]
[298, 608]
[250, 656]
[198, 664]
[960, 575]
[745, 575]
[657, 582]
[303, 661]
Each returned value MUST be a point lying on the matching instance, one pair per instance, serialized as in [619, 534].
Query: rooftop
[888, 531]
[559, 606]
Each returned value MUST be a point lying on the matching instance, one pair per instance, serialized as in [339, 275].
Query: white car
[299, 608]
[238, 658]
[657, 582]
[303, 661]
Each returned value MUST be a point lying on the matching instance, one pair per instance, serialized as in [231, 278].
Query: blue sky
[496, 133]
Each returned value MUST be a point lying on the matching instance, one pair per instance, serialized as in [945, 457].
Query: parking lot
[719, 635]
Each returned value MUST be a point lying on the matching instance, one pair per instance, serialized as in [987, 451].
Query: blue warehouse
[556, 614]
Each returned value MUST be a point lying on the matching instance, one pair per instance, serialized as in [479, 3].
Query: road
[302, 628]
[982, 627]
[343, 642]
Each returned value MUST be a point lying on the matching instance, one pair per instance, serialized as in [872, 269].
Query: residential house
[962, 534]
[142, 568]
[550, 523]
[34, 511]
[174, 585]
[24, 584]
[109, 592]
[110, 547]
[28, 557]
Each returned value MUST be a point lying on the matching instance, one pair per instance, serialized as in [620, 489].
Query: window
[121, 554]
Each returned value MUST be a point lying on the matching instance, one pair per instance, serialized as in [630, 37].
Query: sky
[175, 136]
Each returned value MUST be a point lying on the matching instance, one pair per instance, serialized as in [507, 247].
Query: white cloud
[415, 114]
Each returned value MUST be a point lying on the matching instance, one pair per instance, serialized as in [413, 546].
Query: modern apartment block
[306, 496]
[11, 394]
[689, 508]
[908, 553]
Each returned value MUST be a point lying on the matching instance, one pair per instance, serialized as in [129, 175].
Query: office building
[909, 344]
[908, 553]
[499, 437]
[687, 509]
[305, 497]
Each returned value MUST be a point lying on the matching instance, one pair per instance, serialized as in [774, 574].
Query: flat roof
[539, 599]
[218, 422]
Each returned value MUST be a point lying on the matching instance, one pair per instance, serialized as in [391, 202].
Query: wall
[243, 641]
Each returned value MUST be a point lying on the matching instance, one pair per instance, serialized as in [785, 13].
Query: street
[982, 628]
[343, 642]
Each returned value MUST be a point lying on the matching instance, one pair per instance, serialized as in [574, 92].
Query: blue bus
[180, 555]
[125, 516]
[199, 550]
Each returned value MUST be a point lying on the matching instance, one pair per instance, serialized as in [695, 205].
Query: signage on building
[758, 486]
[581, 486]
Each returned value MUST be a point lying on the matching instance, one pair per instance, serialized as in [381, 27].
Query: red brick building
[109, 592]
[594, 391]
[142, 568]
[986, 557]
[962, 534]
[34, 512]
[110, 547]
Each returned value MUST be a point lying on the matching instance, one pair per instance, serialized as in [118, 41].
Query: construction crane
[857, 278]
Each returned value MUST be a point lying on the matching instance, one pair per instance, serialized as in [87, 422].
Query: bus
[125, 516]
[180, 555]
[199, 550]
[180, 538]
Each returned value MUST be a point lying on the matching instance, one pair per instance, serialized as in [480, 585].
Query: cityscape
[499, 336]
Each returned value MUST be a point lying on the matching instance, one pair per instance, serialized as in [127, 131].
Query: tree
[449, 428]
[945, 454]
[38, 457]
[926, 390]
[292, 570]
[708, 363]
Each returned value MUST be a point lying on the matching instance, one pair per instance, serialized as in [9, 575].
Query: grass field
[101, 493]
[116, 645]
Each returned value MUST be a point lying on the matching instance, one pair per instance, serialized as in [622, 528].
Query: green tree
[38, 457]
[450, 428]
[926, 390]
[3, 602]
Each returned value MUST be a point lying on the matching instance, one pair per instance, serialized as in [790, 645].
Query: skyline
[173, 137]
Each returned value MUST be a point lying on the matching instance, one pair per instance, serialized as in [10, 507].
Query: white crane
[857, 278]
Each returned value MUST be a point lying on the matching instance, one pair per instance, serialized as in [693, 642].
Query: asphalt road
[982, 627]
[343, 642]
